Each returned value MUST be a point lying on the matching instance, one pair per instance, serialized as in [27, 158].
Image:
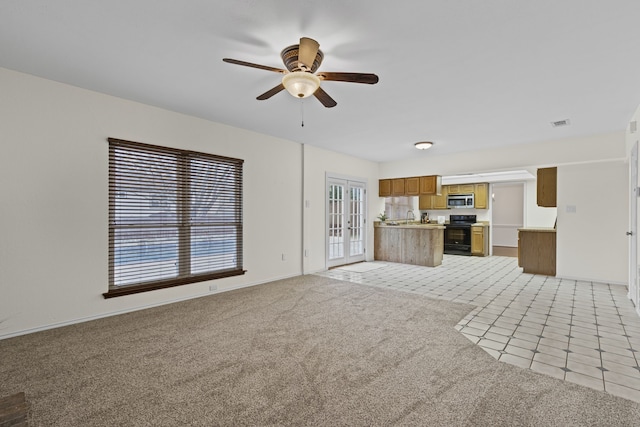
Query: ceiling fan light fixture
[424, 145]
[301, 84]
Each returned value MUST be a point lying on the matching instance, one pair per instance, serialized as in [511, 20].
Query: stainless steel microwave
[456, 201]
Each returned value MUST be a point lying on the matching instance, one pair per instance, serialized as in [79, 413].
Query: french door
[346, 230]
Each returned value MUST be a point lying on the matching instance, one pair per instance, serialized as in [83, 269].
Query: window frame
[185, 221]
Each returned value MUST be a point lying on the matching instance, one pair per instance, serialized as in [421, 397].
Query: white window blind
[175, 217]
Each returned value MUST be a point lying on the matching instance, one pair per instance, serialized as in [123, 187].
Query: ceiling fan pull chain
[301, 112]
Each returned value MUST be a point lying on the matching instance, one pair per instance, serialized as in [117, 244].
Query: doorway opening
[507, 216]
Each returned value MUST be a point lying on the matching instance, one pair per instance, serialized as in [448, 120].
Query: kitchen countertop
[539, 229]
[410, 225]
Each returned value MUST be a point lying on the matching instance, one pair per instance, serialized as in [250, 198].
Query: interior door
[634, 295]
[346, 232]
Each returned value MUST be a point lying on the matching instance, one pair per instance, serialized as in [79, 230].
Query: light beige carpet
[307, 351]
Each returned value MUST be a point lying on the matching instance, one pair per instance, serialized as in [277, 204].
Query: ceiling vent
[560, 123]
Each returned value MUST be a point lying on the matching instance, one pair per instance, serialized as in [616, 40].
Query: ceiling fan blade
[324, 97]
[250, 64]
[307, 51]
[367, 78]
[268, 94]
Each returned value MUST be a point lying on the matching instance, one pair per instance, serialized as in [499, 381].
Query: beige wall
[317, 164]
[592, 220]
[53, 187]
[53, 183]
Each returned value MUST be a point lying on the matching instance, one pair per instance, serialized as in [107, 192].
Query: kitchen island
[412, 243]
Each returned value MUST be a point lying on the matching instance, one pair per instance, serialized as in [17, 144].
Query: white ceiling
[466, 74]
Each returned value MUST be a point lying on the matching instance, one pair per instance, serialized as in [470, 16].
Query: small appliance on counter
[441, 219]
[457, 235]
[424, 218]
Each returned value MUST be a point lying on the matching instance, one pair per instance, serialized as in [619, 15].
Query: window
[397, 207]
[175, 217]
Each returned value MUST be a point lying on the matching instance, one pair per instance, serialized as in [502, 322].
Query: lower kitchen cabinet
[479, 240]
[537, 250]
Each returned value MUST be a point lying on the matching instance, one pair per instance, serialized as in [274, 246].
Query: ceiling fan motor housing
[289, 56]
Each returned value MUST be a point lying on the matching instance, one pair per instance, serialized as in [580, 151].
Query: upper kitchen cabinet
[547, 185]
[461, 188]
[438, 201]
[412, 186]
[384, 188]
[398, 187]
[391, 187]
[430, 184]
[481, 196]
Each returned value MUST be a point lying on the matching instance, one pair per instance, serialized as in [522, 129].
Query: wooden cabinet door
[466, 188]
[477, 240]
[481, 193]
[440, 201]
[412, 186]
[453, 189]
[430, 184]
[398, 187]
[547, 183]
[384, 188]
[425, 203]
[537, 252]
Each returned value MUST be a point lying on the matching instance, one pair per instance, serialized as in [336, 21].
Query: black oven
[457, 235]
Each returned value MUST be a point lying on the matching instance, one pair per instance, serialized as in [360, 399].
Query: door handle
[629, 233]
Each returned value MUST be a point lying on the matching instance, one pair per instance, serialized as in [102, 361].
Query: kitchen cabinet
[430, 185]
[412, 186]
[425, 203]
[547, 187]
[481, 196]
[537, 250]
[384, 188]
[479, 240]
[460, 189]
[398, 187]
[438, 201]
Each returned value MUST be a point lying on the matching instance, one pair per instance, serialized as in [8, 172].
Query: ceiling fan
[302, 61]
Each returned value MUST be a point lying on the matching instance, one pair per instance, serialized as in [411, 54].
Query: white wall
[54, 192]
[591, 242]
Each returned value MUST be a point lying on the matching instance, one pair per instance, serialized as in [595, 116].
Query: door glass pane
[356, 219]
[336, 212]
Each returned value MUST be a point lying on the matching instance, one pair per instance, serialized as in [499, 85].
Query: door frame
[347, 178]
[634, 293]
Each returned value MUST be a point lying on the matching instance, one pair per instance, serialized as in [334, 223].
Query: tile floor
[583, 332]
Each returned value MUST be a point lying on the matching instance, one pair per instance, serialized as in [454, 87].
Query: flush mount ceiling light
[301, 84]
[424, 145]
